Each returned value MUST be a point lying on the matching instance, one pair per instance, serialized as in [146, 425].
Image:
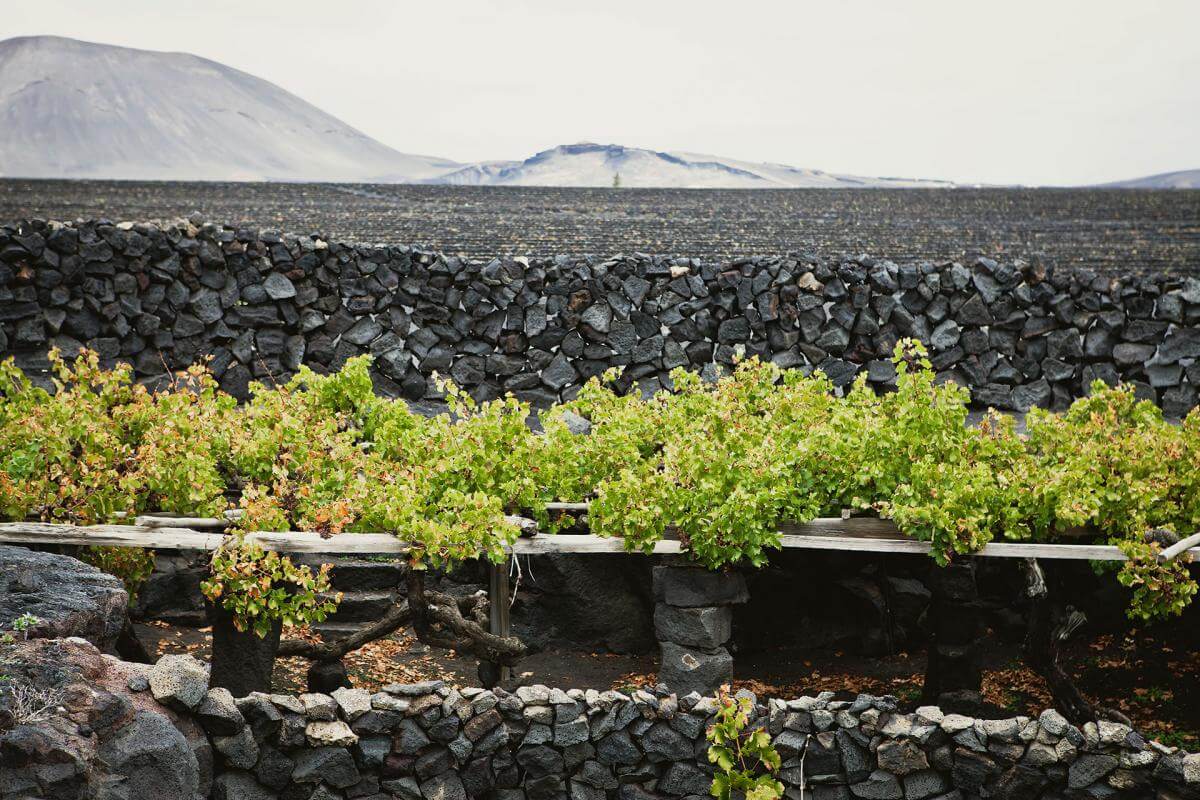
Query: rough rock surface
[95, 737]
[68, 597]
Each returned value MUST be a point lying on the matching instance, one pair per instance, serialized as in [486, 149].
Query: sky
[1051, 92]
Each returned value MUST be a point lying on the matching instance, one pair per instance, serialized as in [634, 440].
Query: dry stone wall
[131, 731]
[261, 304]
[75, 723]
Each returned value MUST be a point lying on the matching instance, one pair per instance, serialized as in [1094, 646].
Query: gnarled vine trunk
[438, 621]
[1042, 640]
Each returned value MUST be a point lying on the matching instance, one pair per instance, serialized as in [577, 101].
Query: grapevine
[718, 465]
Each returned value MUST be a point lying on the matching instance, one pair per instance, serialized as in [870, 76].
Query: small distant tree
[616, 180]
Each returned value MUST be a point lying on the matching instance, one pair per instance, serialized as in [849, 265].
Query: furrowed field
[1115, 232]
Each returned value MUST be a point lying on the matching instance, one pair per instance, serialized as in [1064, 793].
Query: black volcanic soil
[1116, 232]
[1141, 673]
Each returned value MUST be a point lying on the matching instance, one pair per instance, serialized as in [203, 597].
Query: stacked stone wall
[132, 731]
[261, 304]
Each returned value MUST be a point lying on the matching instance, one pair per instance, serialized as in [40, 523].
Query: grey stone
[332, 765]
[540, 760]
[924, 784]
[405, 788]
[560, 373]
[238, 785]
[261, 714]
[219, 714]
[691, 587]
[240, 750]
[900, 757]
[1126, 354]
[617, 748]
[279, 287]
[319, 707]
[84, 602]
[151, 758]
[410, 739]
[879, 785]
[734, 330]
[363, 332]
[274, 769]
[682, 778]
[664, 743]
[1090, 768]
[945, 335]
[1179, 344]
[572, 732]
[179, 681]
[335, 733]
[1053, 722]
[598, 317]
[353, 702]
[707, 627]
[446, 786]
[1030, 395]
[687, 669]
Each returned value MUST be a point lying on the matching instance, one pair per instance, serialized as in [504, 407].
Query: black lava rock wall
[260, 304]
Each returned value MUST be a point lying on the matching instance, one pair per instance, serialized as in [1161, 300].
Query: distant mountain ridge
[590, 164]
[73, 109]
[1182, 179]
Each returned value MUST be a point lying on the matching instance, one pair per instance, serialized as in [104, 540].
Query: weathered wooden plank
[864, 535]
[856, 527]
[499, 591]
[1179, 548]
[115, 535]
[588, 543]
[566, 506]
[195, 523]
[875, 544]
[159, 538]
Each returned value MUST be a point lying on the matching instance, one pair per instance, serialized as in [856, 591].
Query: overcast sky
[1040, 92]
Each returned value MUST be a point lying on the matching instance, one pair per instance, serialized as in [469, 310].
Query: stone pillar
[242, 661]
[693, 620]
[953, 679]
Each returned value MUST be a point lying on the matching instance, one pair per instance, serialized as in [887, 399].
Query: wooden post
[499, 592]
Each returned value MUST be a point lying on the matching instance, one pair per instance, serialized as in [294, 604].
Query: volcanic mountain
[72, 109]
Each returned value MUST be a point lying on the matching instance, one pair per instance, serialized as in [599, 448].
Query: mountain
[588, 164]
[72, 109]
[1184, 179]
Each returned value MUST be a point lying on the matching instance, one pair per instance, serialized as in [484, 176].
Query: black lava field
[1114, 232]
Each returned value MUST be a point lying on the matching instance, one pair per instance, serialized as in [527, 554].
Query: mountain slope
[588, 164]
[80, 110]
[1184, 179]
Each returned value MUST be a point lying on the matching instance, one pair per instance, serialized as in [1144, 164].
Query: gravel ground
[1118, 232]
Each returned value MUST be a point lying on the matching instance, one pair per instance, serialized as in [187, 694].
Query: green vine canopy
[718, 465]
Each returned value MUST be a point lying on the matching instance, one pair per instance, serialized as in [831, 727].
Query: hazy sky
[1047, 91]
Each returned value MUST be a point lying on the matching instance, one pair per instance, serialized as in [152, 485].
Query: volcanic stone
[179, 681]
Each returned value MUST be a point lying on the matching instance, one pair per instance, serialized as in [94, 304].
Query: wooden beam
[113, 535]
[875, 544]
[165, 521]
[499, 592]
[1179, 548]
[586, 543]
[857, 534]
[566, 506]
